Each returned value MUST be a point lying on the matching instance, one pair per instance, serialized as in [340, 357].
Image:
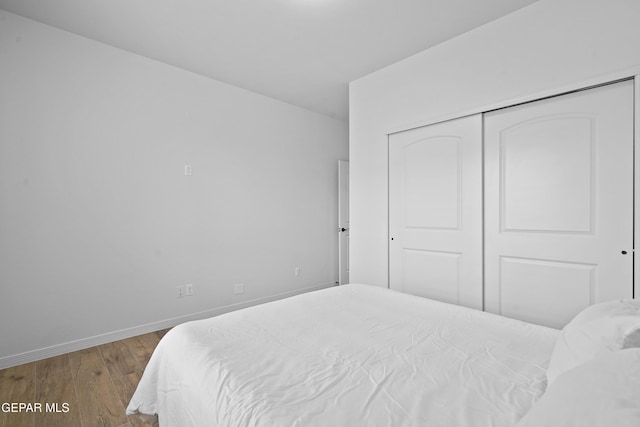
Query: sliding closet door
[559, 204]
[435, 211]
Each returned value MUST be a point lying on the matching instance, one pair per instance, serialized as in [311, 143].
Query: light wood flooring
[97, 383]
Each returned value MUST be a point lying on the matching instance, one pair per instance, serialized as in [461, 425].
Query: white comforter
[353, 355]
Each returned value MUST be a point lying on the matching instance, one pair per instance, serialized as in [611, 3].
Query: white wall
[99, 224]
[550, 44]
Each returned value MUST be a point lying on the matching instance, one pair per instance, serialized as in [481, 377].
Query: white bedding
[353, 355]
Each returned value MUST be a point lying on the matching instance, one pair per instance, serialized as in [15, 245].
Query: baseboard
[68, 347]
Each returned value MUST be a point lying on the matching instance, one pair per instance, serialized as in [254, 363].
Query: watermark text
[47, 407]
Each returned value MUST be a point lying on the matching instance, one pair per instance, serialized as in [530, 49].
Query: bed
[353, 355]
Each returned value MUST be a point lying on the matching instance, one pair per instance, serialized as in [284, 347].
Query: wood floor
[96, 383]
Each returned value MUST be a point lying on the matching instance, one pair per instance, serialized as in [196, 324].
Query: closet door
[559, 204]
[435, 211]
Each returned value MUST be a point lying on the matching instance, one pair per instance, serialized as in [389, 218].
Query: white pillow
[602, 392]
[597, 330]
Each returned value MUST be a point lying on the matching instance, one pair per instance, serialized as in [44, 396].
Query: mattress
[353, 355]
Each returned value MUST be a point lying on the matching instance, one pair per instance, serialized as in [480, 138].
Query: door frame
[626, 74]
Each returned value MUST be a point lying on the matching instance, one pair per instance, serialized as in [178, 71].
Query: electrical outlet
[296, 272]
[180, 291]
[238, 289]
[188, 170]
[188, 289]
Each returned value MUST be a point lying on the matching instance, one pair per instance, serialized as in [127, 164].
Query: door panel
[432, 185]
[442, 270]
[548, 186]
[435, 211]
[528, 284]
[559, 204]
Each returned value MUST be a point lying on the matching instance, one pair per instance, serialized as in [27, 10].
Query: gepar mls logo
[19, 407]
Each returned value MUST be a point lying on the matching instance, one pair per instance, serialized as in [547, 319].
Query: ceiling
[303, 52]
